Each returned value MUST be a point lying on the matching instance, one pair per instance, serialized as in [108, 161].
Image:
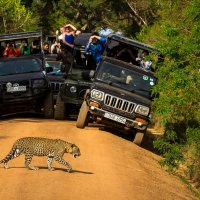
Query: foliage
[86, 15]
[192, 154]
[177, 36]
[172, 153]
[15, 17]
[171, 26]
[93, 15]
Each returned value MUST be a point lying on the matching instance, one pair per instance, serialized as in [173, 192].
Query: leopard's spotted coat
[36, 146]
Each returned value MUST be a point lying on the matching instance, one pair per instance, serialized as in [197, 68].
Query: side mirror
[92, 73]
[49, 69]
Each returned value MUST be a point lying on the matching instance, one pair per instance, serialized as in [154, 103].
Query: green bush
[177, 35]
[172, 153]
[192, 154]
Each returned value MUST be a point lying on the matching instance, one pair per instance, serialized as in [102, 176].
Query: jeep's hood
[118, 92]
[20, 77]
[53, 77]
[77, 82]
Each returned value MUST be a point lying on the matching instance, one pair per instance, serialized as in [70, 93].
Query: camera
[11, 45]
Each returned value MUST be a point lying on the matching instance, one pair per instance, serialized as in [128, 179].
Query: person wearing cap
[67, 35]
[95, 46]
[68, 38]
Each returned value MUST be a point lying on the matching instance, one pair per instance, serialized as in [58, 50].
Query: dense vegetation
[173, 26]
[85, 14]
[177, 35]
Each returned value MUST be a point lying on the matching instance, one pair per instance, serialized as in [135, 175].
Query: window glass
[8, 67]
[126, 78]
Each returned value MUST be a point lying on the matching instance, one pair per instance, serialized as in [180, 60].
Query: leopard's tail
[14, 152]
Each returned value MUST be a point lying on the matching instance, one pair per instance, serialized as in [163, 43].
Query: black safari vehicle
[23, 82]
[55, 75]
[71, 94]
[120, 94]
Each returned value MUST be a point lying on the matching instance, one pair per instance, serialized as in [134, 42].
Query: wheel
[82, 116]
[60, 109]
[48, 106]
[138, 138]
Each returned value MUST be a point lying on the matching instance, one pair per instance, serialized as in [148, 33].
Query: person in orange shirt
[11, 50]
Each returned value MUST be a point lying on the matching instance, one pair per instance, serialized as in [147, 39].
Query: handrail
[20, 35]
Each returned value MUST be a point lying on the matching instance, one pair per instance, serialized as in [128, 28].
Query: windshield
[56, 65]
[126, 78]
[79, 74]
[81, 67]
[8, 67]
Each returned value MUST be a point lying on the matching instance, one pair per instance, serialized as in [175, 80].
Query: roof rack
[20, 35]
[131, 42]
[125, 64]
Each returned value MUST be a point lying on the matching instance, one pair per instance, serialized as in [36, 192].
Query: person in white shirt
[60, 37]
[55, 48]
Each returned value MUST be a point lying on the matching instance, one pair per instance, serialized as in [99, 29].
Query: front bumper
[74, 101]
[114, 118]
[18, 104]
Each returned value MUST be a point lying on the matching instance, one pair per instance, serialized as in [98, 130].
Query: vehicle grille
[119, 103]
[55, 86]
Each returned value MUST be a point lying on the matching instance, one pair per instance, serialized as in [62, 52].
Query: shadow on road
[3, 137]
[147, 140]
[65, 170]
[23, 117]
[45, 168]
[31, 117]
[82, 172]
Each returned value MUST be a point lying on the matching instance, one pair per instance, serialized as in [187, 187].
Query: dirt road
[110, 167]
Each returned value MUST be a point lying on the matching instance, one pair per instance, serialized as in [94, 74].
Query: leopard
[54, 149]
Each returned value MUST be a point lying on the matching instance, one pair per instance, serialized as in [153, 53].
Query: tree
[126, 16]
[130, 16]
[177, 36]
[14, 16]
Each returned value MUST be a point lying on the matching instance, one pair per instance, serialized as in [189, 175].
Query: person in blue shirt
[96, 46]
[68, 36]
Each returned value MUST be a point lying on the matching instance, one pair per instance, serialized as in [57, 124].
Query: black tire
[48, 106]
[138, 137]
[82, 116]
[60, 109]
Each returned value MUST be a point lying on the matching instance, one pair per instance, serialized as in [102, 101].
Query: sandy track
[110, 167]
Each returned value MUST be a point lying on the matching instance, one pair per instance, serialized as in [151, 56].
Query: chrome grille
[56, 86]
[119, 103]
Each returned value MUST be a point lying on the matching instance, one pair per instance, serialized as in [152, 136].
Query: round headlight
[96, 94]
[143, 110]
[73, 89]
